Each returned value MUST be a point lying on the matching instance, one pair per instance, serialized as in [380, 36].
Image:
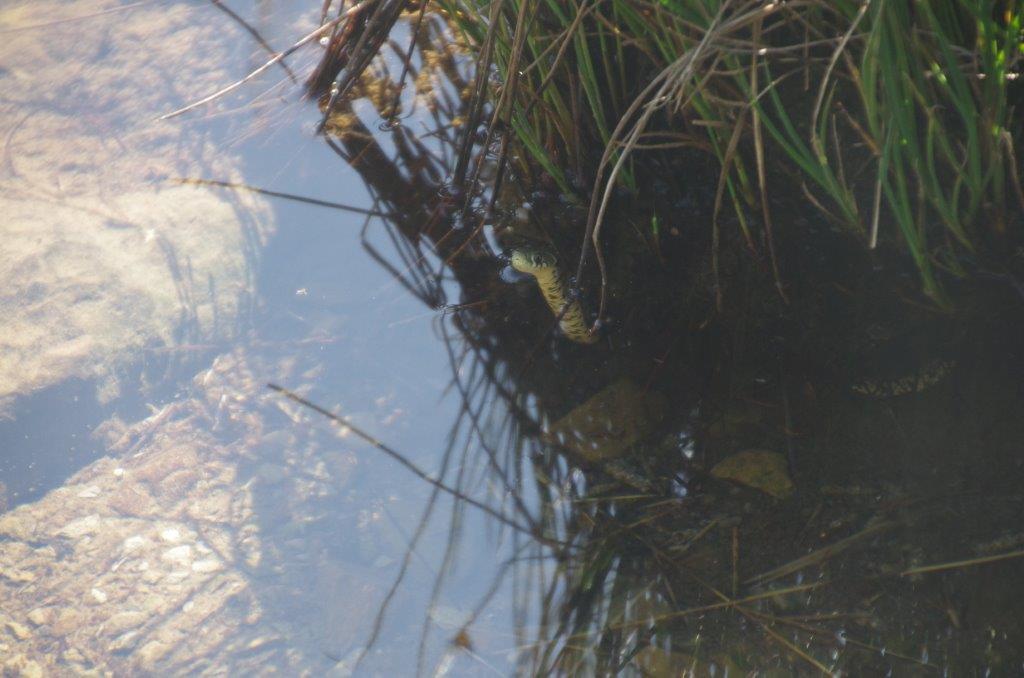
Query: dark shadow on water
[895, 551]
[50, 434]
[38, 456]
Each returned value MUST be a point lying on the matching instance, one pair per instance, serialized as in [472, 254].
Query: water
[169, 513]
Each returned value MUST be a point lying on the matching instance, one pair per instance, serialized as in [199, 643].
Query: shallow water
[169, 513]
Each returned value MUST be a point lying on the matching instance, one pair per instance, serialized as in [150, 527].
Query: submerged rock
[760, 469]
[102, 578]
[608, 424]
[172, 565]
[103, 254]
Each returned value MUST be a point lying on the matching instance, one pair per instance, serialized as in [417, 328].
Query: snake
[542, 264]
[906, 357]
[924, 378]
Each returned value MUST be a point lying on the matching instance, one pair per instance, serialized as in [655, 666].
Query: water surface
[540, 506]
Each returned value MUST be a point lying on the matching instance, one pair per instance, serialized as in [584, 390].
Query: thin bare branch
[281, 55]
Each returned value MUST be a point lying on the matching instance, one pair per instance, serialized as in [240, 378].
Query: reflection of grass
[903, 107]
[627, 582]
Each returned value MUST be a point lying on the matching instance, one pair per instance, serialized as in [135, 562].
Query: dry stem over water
[898, 121]
[894, 119]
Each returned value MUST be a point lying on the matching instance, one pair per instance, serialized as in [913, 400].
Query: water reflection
[663, 545]
[230, 528]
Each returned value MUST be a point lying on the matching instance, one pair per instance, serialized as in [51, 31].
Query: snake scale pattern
[919, 381]
[542, 264]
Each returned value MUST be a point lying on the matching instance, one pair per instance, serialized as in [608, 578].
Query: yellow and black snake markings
[925, 378]
[543, 265]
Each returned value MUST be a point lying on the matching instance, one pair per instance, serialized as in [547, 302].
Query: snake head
[531, 259]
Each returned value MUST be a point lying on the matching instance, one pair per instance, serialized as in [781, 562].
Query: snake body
[919, 381]
[542, 264]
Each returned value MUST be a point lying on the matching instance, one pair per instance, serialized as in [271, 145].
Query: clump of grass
[893, 118]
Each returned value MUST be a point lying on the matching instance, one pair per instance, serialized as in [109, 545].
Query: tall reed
[892, 117]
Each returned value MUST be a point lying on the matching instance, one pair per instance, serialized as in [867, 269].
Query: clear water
[342, 558]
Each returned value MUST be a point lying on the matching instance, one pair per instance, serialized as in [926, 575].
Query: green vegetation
[895, 119]
[630, 476]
